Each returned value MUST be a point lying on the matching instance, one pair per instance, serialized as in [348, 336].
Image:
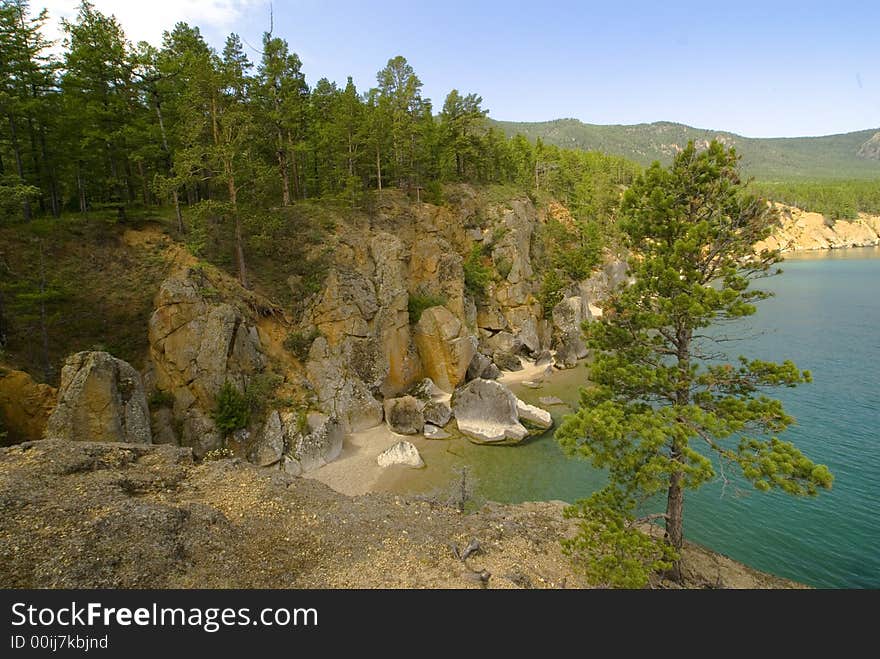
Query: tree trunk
[675, 494]
[81, 189]
[168, 165]
[44, 322]
[239, 242]
[13, 134]
[378, 169]
[283, 171]
[53, 177]
[674, 521]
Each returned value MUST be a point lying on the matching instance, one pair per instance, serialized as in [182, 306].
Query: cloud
[146, 20]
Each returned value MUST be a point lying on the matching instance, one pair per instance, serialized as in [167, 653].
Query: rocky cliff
[400, 311]
[803, 230]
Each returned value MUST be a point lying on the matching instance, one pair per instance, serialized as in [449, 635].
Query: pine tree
[661, 407]
[462, 128]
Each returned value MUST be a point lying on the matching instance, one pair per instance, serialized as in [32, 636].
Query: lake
[826, 318]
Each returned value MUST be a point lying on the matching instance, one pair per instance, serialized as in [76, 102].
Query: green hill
[845, 156]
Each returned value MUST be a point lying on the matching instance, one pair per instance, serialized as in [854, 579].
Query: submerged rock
[487, 412]
[402, 453]
[101, 399]
[532, 415]
[433, 432]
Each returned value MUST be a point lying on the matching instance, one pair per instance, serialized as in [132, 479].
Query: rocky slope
[802, 230]
[113, 515]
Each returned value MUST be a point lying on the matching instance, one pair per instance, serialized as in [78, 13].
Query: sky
[774, 68]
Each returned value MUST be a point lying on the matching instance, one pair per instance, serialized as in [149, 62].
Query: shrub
[551, 292]
[610, 548]
[260, 391]
[298, 343]
[418, 302]
[503, 265]
[433, 193]
[232, 411]
[161, 399]
[476, 275]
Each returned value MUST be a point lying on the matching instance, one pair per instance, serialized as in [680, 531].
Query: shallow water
[825, 317]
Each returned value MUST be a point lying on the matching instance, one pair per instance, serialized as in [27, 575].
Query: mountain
[848, 155]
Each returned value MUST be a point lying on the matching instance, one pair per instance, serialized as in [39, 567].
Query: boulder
[550, 400]
[199, 432]
[25, 406]
[101, 399]
[533, 416]
[402, 453]
[437, 412]
[433, 432]
[404, 415]
[568, 316]
[270, 444]
[340, 392]
[507, 361]
[544, 358]
[426, 390]
[315, 445]
[491, 318]
[162, 423]
[486, 413]
[445, 347]
[502, 342]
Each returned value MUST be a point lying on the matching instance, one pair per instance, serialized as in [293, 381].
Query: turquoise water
[825, 317]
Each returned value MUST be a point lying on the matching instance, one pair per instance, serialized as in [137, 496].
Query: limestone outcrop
[800, 230]
[101, 399]
[25, 406]
[445, 347]
[198, 342]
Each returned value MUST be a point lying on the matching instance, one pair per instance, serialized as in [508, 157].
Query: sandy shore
[530, 372]
[356, 472]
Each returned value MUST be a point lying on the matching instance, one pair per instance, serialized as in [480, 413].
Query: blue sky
[762, 69]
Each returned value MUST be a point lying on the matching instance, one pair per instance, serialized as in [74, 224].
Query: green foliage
[503, 265]
[160, 399]
[574, 250]
[298, 343]
[477, 274]
[608, 545]
[839, 200]
[232, 409]
[659, 406]
[433, 193]
[260, 391]
[420, 301]
[551, 292]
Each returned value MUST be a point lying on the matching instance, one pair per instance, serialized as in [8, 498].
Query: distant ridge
[845, 156]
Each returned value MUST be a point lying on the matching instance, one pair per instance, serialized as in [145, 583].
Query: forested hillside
[846, 156]
[109, 127]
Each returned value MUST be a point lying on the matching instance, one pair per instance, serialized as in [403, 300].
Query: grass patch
[418, 302]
